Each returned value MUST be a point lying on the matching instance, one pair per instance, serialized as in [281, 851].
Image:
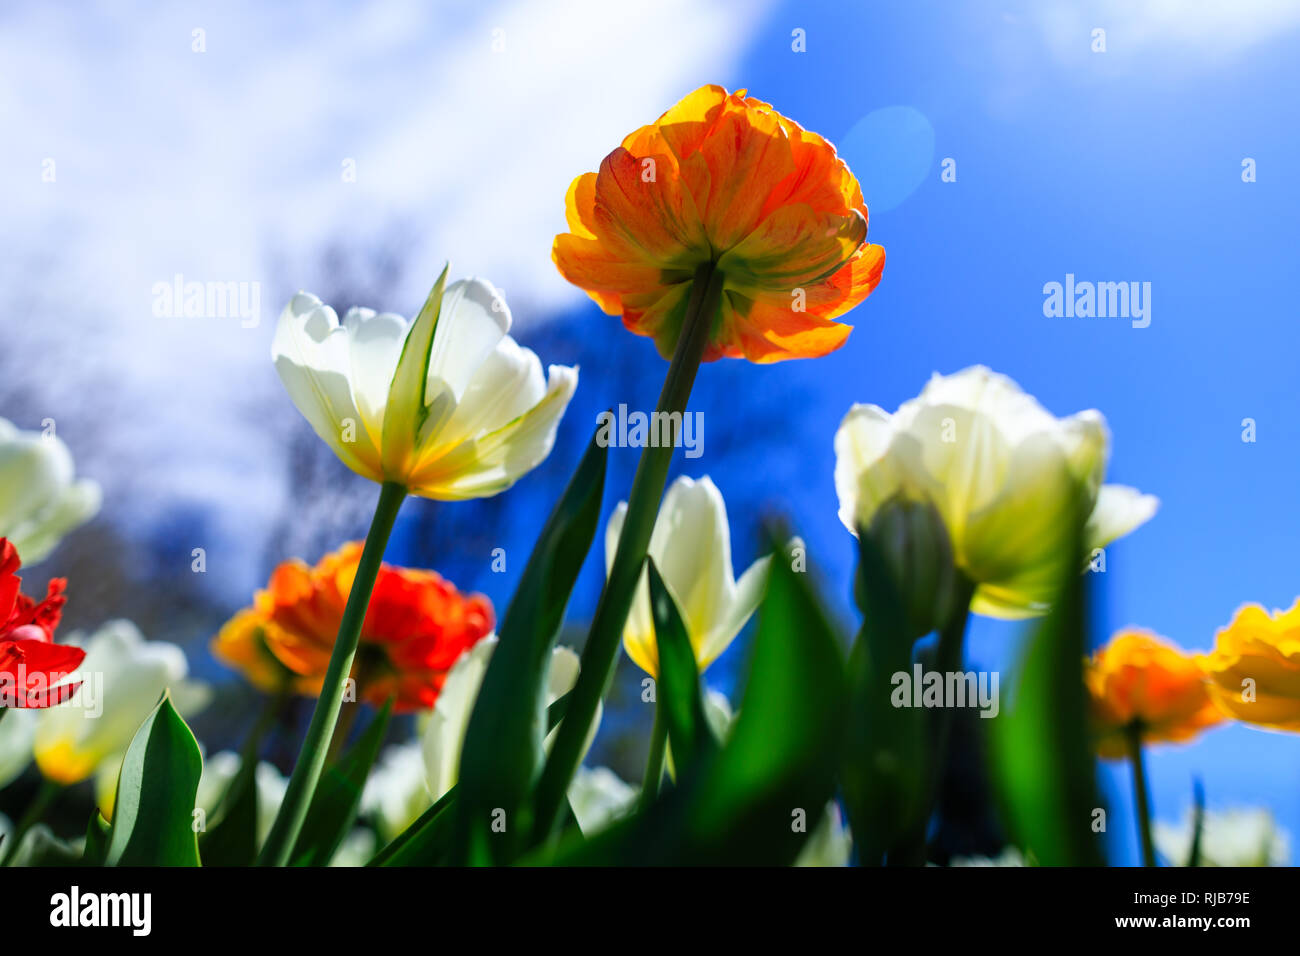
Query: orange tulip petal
[416, 626]
[723, 179]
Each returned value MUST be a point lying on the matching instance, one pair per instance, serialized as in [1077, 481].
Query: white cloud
[226, 165]
[1212, 30]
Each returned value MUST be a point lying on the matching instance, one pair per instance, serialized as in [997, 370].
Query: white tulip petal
[1007, 478]
[444, 735]
[599, 798]
[33, 473]
[472, 320]
[313, 359]
[1119, 510]
[123, 675]
[691, 546]
[40, 533]
[864, 477]
[374, 345]
[744, 600]
[17, 732]
[489, 465]
[508, 383]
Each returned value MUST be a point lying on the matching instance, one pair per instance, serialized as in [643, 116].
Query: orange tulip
[1142, 681]
[416, 626]
[724, 179]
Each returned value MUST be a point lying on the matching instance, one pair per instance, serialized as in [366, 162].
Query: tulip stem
[1141, 798]
[654, 764]
[947, 659]
[311, 758]
[601, 650]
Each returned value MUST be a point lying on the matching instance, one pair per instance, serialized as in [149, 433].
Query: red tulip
[31, 664]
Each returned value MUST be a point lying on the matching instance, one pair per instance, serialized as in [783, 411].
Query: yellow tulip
[691, 547]
[1254, 669]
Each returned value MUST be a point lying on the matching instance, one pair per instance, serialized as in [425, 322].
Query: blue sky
[1115, 166]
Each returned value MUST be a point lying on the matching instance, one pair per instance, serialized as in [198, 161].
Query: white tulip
[448, 406]
[123, 676]
[219, 772]
[691, 547]
[396, 793]
[830, 843]
[444, 733]
[17, 732]
[1010, 856]
[1237, 837]
[40, 501]
[1005, 475]
[599, 797]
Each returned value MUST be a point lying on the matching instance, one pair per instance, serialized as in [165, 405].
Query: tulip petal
[691, 546]
[374, 346]
[490, 464]
[310, 351]
[742, 603]
[1119, 510]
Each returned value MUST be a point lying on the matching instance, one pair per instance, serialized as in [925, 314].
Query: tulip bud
[913, 542]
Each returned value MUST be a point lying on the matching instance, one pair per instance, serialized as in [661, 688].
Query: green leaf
[502, 754]
[680, 692]
[883, 771]
[753, 801]
[425, 842]
[98, 831]
[153, 811]
[333, 809]
[1198, 822]
[1043, 762]
[232, 838]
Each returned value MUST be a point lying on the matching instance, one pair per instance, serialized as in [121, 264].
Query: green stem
[601, 650]
[1140, 797]
[311, 758]
[342, 730]
[654, 764]
[45, 795]
[947, 659]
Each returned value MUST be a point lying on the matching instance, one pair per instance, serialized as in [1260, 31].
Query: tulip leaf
[1043, 763]
[882, 772]
[426, 841]
[680, 692]
[156, 787]
[502, 754]
[406, 410]
[754, 801]
[98, 831]
[1198, 822]
[232, 838]
[334, 806]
